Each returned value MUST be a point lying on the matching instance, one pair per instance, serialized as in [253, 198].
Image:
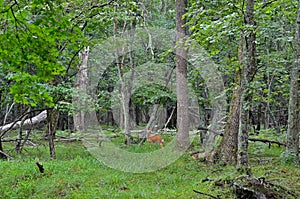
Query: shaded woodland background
[45, 48]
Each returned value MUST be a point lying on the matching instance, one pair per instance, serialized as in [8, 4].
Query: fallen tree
[24, 124]
[267, 141]
[203, 154]
[250, 139]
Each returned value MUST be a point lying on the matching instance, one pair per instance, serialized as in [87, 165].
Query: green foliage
[199, 87]
[219, 28]
[152, 94]
[107, 81]
[39, 45]
[32, 41]
[40, 41]
[159, 14]
[215, 24]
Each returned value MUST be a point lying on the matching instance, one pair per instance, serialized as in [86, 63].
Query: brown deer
[154, 138]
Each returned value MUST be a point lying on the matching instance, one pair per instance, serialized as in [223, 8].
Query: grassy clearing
[76, 174]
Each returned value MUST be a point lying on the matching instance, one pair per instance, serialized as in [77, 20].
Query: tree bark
[248, 73]
[2, 156]
[52, 118]
[126, 86]
[292, 147]
[81, 88]
[227, 151]
[182, 139]
[153, 115]
[26, 124]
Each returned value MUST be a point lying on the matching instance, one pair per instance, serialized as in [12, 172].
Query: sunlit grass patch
[76, 173]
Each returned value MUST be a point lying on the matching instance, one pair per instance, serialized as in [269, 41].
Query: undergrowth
[76, 174]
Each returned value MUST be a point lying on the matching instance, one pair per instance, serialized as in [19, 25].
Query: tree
[226, 152]
[292, 146]
[229, 36]
[31, 57]
[182, 139]
[81, 86]
[52, 118]
[40, 41]
[247, 76]
[217, 31]
[125, 85]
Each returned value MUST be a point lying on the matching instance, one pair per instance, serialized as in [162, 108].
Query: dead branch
[195, 152]
[68, 140]
[169, 119]
[41, 167]
[6, 155]
[210, 130]
[206, 194]
[279, 187]
[8, 110]
[207, 179]
[267, 141]
[250, 187]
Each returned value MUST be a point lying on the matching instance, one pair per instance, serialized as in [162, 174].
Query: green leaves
[152, 94]
[35, 34]
[31, 94]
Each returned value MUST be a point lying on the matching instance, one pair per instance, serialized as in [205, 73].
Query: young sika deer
[154, 138]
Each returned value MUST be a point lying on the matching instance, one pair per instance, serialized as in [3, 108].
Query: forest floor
[77, 174]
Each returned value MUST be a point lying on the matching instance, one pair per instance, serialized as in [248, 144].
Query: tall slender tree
[292, 147]
[81, 86]
[183, 140]
[247, 76]
[125, 83]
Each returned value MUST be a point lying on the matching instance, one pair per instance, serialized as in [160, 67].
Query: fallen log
[26, 124]
[267, 141]
[68, 140]
[250, 139]
[195, 152]
[203, 155]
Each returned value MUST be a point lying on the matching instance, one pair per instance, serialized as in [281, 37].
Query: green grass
[77, 174]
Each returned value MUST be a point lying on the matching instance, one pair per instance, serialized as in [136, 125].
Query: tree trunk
[81, 88]
[227, 150]
[126, 86]
[248, 73]
[20, 137]
[242, 155]
[258, 123]
[153, 115]
[267, 108]
[292, 147]
[52, 118]
[19, 141]
[182, 139]
[2, 156]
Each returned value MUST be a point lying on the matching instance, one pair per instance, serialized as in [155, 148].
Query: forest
[149, 99]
